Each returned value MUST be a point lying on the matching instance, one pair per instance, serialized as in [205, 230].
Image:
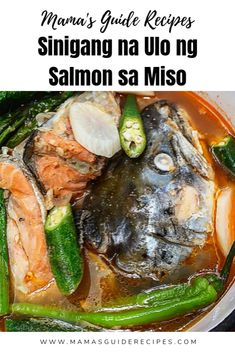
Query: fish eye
[164, 162]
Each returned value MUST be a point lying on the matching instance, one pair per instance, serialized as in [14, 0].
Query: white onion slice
[94, 129]
[224, 220]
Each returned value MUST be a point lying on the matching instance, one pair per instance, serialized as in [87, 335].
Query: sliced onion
[224, 220]
[94, 129]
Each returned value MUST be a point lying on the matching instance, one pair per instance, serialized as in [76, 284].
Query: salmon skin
[26, 214]
[147, 215]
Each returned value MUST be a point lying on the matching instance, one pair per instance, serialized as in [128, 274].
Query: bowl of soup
[117, 210]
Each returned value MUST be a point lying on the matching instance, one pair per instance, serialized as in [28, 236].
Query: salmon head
[147, 215]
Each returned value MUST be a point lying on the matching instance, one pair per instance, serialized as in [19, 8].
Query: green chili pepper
[145, 308]
[109, 318]
[160, 295]
[131, 129]
[218, 281]
[183, 290]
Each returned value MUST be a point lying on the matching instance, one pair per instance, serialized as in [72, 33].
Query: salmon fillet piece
[49, 142]
[61, 165]
[29, 262]
[55, 173]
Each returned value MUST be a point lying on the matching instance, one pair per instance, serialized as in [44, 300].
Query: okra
[64, 251]
[131, 129]
[12, 99]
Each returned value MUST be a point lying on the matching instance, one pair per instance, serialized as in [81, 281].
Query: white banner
[170, 45]
[117, 342]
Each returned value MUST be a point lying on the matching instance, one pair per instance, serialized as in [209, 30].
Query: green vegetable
[136, 316]
[4, 266]
[163, 304]
[131, 129]
[7, 119]
[224, 274]
[14, 95]
[154, 297]
[224, 153]
[42, 325]
[22, 133]
[64, 252]
[219, 282]
[25, 120]
[13, 98]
